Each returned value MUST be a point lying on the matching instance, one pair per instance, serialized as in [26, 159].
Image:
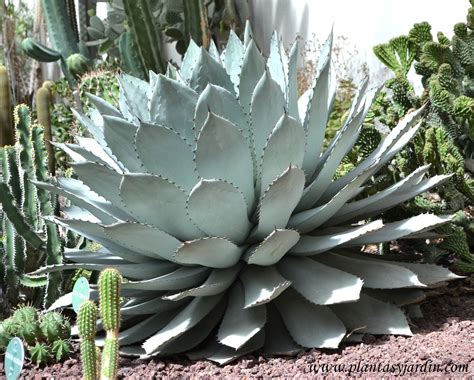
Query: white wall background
[365, 22]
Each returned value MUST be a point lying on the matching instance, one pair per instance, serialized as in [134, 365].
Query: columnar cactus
[6, 124]
[86, 322]
[43, 114]
[29, 242]
[109, 296]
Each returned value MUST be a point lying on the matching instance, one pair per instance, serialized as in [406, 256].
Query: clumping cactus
[219, 206]
[109, 297]
[26, 314]
[6, 123]
[77, 64]
[29, 331]
[54, 326]
[40, 353]
[86, 322]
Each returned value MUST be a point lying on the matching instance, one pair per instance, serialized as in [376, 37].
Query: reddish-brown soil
[442, 347]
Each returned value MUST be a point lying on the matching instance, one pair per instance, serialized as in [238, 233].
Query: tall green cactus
[43, 114]
[28, 241]
[109, 296]
[146, 35]
[86, 322]
[6, 125]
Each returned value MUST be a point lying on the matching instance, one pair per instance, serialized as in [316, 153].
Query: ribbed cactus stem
[109, 296]
[6, 125]
[86, 321]
[43, 107]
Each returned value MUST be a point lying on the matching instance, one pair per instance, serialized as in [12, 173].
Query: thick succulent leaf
[277, 339]
[196, 334]
[222, 152]
[398, 297]
[135, 92]
[331, 238]
[102, 256]
[430, 274]
[149, 326]
[309, 220]
[150, 306]
[388, 147]
[89, 147]
[207, 70]
[317, 113]
[214, 53]
[189, 60]
[261, 285]
[373, 202]
[284, 147]
[248, 33]
[278, 202]
[63, 301]
[268, 105]
[240, 324]
[319, 283]
[102, 180]
[395, 199]
[372, 316]
[218, 281]
[219, 209]
[172, 105]
[272, 248]
[310, 325]
[375, 273]
[233, 58]
[253, 67]
[275, 63]
[194, 312]
[180, 278]
[104, 107]
[222, 103]
[165, 207]
[83, 198]
[401, 229]
[345, 139]
[147, 240]
[96, 232]
[119, 134]
[132, 271]
[88, 124]
[165, 153]
[79, 154]
[292, 100]
[211, 252]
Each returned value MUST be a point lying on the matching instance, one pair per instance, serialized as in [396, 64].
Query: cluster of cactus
[46, 335]
[445, 140]
[72, 54]
[209, 188]
[109, 297]
[28, 240]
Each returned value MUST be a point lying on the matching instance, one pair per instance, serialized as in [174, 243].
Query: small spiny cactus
[40, 353]
[109, 295]
[86, 321]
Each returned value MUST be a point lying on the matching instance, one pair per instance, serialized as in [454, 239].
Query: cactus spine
[6, 125]
[109, 296]
[43, 107]
[86, 322]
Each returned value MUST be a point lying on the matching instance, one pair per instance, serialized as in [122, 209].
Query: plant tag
[14, 359]
[80, 293]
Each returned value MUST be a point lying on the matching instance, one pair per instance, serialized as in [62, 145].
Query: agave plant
[209, 189]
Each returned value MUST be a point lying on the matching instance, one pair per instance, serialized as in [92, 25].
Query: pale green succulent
[210, 191]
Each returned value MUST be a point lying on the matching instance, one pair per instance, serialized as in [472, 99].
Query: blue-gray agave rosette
[210, 190]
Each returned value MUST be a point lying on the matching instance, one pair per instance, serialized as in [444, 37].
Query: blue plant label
[80, 293]
[14, 359]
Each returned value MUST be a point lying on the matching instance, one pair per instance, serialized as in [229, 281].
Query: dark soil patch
[443, 341]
